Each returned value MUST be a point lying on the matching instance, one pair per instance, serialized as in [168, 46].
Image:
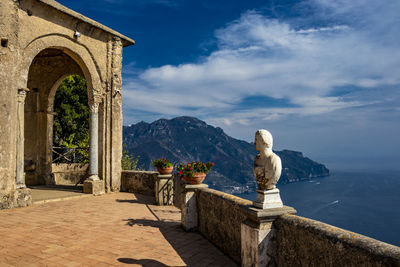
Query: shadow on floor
[69, 188]
[173, 232]
[144, 262]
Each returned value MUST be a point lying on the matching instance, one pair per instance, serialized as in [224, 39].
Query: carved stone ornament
[22, 94]
[94, 107]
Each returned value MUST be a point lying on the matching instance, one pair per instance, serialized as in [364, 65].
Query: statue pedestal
[268, 199]
[258, 235]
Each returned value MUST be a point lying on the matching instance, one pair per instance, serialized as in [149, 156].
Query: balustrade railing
[70, 155]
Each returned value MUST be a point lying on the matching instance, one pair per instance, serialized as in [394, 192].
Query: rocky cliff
[184, 139]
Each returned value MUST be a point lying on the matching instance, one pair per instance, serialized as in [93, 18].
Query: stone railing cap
[194, 186]
[164, 176]
[260, 215]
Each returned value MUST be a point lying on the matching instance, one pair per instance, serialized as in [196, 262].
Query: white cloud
[259, 56]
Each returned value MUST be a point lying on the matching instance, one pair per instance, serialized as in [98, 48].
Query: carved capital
[94, 107]
[22, 95]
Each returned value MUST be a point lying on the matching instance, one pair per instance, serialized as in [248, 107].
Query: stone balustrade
[256, 237]
[291, 240]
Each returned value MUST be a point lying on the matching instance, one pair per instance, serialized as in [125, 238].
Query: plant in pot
[163, 166]
[194, 172]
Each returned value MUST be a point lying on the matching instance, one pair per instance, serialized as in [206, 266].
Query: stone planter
[197, 178]
[164, 171]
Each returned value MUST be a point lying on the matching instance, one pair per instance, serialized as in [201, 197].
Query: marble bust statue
[267, 165]
[267, 170]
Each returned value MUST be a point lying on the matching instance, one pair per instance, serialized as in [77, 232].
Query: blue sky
[323, 76]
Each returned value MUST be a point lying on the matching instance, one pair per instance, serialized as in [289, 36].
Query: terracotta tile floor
[120, 229]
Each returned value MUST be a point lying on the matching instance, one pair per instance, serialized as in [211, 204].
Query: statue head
[263, 140]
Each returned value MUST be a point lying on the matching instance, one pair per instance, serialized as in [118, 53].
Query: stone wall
[305, 242]
[298, 241]
[139, 182]
[220, 218]
[69, 174]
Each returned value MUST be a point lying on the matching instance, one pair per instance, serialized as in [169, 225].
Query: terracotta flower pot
[164, 171]
[198, 178]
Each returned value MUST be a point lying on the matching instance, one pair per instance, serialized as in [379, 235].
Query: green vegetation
[71, 122]
[162, 163]
[128, 161]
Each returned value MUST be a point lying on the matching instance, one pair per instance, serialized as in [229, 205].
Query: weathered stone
[39, 48]
[258, 243]
[305, 242]
[220, 216]
[189, 215]
[69, 174]
[95, 187]
[164, 190]
[23, 197]
[16, 198]
[268, 199]
[142, 182]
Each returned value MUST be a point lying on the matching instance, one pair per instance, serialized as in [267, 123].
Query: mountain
[184, 139]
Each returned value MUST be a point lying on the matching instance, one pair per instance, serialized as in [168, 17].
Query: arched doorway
[47, 71]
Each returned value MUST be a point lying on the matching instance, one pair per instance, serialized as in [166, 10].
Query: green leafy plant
[81, 147]
[188, 169]
[128, 161]
[71, 122]
[162, 163]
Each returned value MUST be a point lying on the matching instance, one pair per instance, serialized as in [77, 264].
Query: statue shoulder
[276, 157]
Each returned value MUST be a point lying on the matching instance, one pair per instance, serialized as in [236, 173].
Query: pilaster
[164, 190]
[258, 239]
[189, 216]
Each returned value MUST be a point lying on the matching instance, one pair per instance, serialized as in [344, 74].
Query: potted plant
[194, 172]
[163, 166]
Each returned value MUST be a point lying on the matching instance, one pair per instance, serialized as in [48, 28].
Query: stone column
[164, 190]
[93, 185]
[94, 142]
[258, 245]
[20, 172]
[189, 216]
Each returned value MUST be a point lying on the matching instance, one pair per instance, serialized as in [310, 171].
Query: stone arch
[83, 64]
[78, 52]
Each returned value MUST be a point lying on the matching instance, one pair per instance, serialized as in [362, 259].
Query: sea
[367, 203]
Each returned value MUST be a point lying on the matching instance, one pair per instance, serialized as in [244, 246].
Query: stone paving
[121, 229]
[42, 194]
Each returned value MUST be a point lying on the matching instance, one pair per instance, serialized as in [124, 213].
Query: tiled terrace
[121, 229]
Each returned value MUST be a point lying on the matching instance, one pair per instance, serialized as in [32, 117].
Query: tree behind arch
[71, 122]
